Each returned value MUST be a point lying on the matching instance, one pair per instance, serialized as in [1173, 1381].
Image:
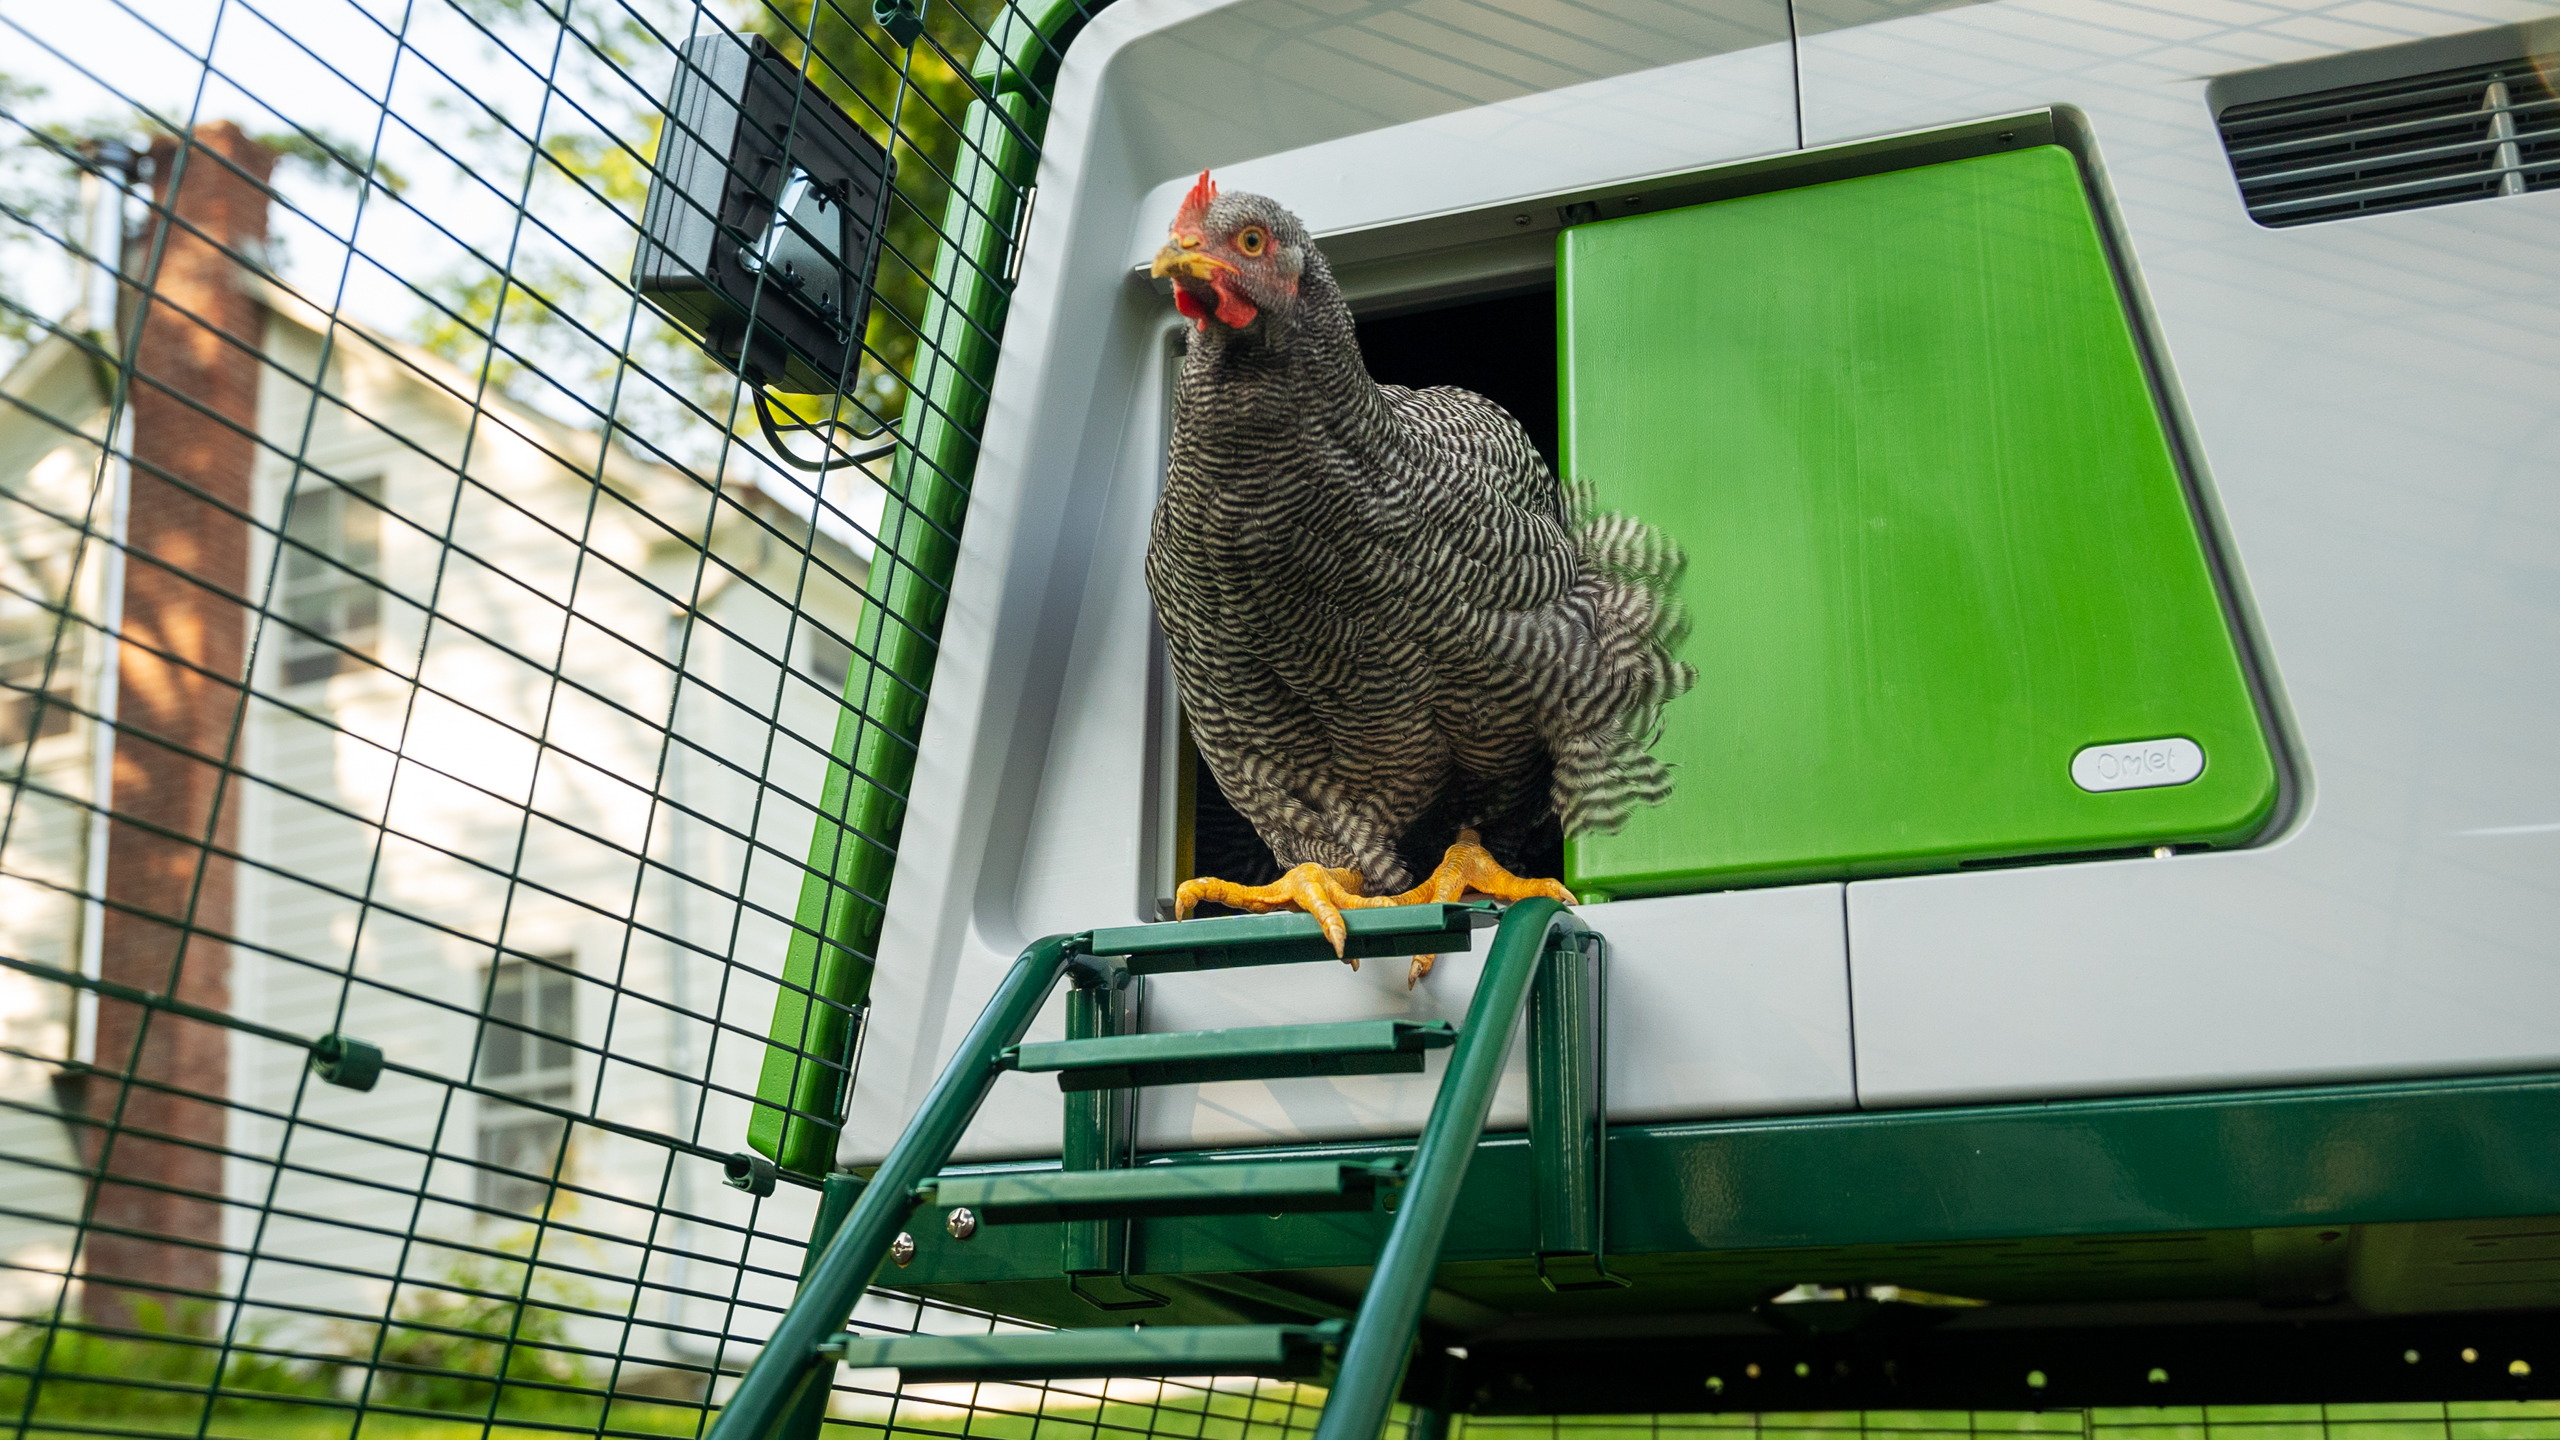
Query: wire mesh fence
[452, 725]
[455, 733]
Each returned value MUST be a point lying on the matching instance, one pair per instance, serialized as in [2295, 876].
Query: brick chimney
[161, 1081]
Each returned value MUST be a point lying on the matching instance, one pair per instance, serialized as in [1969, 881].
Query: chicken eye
[1251, 240]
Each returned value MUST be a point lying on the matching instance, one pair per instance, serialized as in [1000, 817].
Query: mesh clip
[898, 18]
[346, 1062]
[751, 1173]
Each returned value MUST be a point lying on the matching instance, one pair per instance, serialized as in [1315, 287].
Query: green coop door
[1947, 598]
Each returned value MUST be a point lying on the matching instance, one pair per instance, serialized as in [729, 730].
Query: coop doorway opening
[1502, 347]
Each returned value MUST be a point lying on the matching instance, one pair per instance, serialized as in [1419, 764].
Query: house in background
[461, 829]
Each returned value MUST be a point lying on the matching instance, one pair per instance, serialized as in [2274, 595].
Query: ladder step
[1282, 1351]
[1260, 1187]
[1289, 938]
[1270, 1052]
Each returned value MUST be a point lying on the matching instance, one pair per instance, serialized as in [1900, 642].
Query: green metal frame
[2024, 1201]
[1391, 1308]
[826, 973]
[782, 1393]
[796, 1363]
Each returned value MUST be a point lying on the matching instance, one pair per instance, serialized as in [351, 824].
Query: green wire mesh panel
[441, 737]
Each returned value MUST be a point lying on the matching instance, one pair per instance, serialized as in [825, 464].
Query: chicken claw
[1311, 887]
[1469, 866]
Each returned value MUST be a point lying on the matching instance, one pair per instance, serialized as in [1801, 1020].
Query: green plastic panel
[1938, 542]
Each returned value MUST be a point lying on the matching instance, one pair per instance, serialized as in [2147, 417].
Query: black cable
[840, 456]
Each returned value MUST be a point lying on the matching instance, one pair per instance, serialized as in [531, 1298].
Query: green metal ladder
[1544, 963]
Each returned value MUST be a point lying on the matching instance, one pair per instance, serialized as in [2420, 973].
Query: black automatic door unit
[763, 218]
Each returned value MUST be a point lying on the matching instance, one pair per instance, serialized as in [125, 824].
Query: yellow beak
[1181, 257]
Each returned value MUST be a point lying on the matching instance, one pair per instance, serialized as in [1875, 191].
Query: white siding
[51, 487]
[513, 821]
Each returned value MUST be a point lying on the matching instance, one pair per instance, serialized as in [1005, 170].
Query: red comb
[1194, 205]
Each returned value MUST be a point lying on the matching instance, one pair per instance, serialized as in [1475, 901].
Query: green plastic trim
[1283, 1351]
[1023, 49]
[1275, 1052]
[826, 972]
[1257, 1188]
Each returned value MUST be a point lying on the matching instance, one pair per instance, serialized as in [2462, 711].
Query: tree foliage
[561, 316]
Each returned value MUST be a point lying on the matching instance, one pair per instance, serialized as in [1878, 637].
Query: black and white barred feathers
[1382, 609]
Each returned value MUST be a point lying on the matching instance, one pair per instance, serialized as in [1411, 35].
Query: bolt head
[903, 1250]
[961, 1222]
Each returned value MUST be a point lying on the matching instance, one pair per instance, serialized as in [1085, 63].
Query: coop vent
[2469, 134]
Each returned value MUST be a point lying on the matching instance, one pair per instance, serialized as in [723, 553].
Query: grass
[476, 1351]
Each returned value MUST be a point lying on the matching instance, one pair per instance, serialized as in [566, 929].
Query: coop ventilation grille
[2468, 134]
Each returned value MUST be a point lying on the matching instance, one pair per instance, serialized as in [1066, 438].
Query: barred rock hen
[1380, 609]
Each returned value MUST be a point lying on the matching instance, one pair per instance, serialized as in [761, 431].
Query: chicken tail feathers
[1602, 740]
[1601, 779]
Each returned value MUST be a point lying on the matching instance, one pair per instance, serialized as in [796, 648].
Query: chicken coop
[598, 798]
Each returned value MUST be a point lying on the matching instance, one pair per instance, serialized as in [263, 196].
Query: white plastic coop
[2366, 411]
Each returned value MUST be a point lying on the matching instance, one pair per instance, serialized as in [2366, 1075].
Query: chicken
[1383, 611]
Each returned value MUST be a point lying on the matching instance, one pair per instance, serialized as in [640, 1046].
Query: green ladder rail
[1362, 1361]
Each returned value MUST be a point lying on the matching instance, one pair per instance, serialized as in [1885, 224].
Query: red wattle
[1234, 311]
[1188, 304]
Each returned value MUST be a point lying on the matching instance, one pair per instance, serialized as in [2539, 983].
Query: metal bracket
[1152, 1300]
[1603, 1279]
[1021, 230]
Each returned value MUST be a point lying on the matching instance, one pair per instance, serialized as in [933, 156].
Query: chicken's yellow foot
[1311, 887]
[1470, 866]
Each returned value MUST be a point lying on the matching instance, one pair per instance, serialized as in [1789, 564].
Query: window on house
[26, 639]
[830, 661]
[333, 539]
[525, 1050]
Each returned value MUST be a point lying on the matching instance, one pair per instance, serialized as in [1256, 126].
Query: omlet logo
[2138, 764]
